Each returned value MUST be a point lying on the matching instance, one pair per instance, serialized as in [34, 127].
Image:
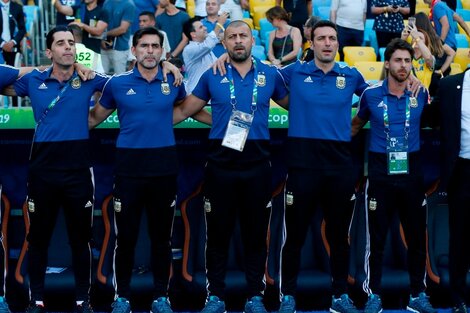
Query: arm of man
[190, 106]
[98, 114]
[63, 9]
[333, 10]
[121, 29]
[356, 125]
[462, 23]
[283, 103]
[98, 30]
[203, 116]
[450, 53]
[179, 48]
[445, 27]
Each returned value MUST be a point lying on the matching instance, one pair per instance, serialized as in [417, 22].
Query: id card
[237, 130]
[397, 156]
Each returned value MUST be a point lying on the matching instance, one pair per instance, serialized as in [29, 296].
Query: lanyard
[56, 99]
[407, 117]
[254, 98]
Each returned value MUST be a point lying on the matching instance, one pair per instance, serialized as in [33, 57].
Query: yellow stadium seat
[465, 4]
[462, 58]
[249, 21]
[353, 54]
[424, 10]
[191, 8]
[461, 31]
[455, 68]
[421, 4]
[259, 13]
[260, 3]
[370, 70]
[337, 57]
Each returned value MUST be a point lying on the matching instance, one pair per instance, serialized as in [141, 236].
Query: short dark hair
[238, 23]
[146, 31]
[323, 23]
[50, 34]
[188, 26]
[397, 44]
[151, 15]
[311, 21]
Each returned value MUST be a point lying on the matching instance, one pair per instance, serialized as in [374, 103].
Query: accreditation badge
[261, 80]
[372, 204]
[413, 102]
[237, 130]
[165, 89]
[397, 156]
[31, 207]
[289, 198]
[76, 83]
[340, 82]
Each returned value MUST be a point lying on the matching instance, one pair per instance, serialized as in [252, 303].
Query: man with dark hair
[146, 165]
[237, 181]
[395, 174]
[59, 171]
[198, 54]
[319, 160]
[171, 21]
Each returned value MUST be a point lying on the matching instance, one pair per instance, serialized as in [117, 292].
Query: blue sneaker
[85, 307]
[343, 305]
[287, 305]
[214, 305]
[420, 304]
[4, 306]
[161, 305]
[373, 305]
[121, 305]
[255, 305]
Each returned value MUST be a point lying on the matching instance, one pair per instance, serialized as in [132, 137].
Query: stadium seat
[191, 8]
[249, 21]
[354, 54]
[464, 13]
[264, 29]
[259, 52]
[382, 54]
[255, 33]
[462, 41]
[258, 14]
[465, 4]
[425, 10]
[322, 11]
[455, 68]
[368, 29]
[260, 3]
[462, 57]
[370, 70]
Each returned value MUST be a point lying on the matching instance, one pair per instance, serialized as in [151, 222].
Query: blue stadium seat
[259, 52]
[464, 13]
[462, 41]
[368, 29]
[323, 12]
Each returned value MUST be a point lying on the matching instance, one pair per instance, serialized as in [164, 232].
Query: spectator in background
[389, 19]
[147, 19]
[308, 54]
[142, 6]
[443, 19]
[171, 21]
[84, 55]
[234, 8]
[93, 20]
[210, 21]
[12, 30]
[299, 11]
[115, 47]
[285, 41]
[198, 54]
[200, 9]
[61, 18]
[442, 52]
[349, 17]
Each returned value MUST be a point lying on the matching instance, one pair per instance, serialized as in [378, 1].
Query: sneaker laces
[120, 306]
[346, 302]
[373, 304]
[162, 305]
[287, 304]
[212, 304]
[423, 302]
[256, 305]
